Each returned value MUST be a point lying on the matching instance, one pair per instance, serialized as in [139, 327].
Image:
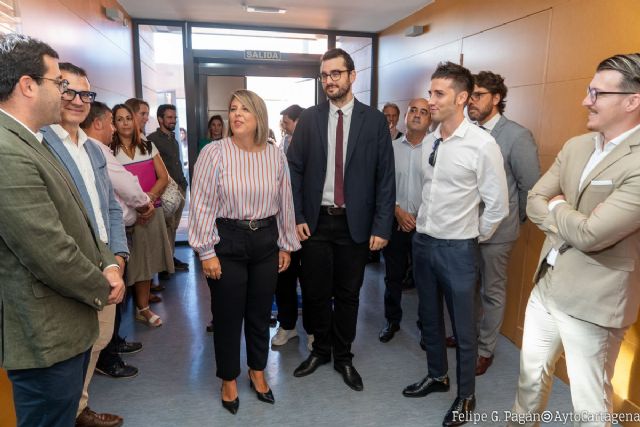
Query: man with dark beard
[342, 176]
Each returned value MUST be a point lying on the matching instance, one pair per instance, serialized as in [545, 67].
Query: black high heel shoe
[266, 397]
[231, 406]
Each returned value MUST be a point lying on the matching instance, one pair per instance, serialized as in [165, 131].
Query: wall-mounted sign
[262, 55]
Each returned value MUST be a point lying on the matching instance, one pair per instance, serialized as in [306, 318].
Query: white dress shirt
[347, 110]
[468, 171]
[408, 158]
[83, 163]
[491, 123]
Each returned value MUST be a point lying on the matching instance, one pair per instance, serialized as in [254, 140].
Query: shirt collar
[346, 108]
[38, 135]
[491, 123]
[404, 140]
[460, 131]
[598, 140]
[64, 135]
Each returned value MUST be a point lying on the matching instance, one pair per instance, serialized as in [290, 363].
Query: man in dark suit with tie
[342, 175]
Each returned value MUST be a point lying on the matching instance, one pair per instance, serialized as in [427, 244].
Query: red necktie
[338, 187]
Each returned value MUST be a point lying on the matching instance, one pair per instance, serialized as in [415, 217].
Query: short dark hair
[292, 111]
[494, 83]
[461, 77]
[73, 69]
[339, 53]
[629, 66]
[164, 107]
[135, 103]
[97, 110]
[21, 55]
[392, 105]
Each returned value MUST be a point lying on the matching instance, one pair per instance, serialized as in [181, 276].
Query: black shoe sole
[130, 352]
[106, 374]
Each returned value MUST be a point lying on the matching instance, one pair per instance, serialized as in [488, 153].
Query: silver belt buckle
[331, 210]
[252, 225]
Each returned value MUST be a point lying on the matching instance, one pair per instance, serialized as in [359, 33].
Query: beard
[479, 115]
[340, 94]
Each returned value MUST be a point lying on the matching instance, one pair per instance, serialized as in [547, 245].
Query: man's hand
[121, 263]
[303, 232]
[112, 274]
[212, 268]
[406, 221]
[284, 259]
[376, 243]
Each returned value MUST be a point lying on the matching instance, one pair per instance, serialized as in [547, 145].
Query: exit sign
[262, 55]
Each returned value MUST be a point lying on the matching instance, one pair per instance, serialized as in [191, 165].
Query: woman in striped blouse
[242, 225]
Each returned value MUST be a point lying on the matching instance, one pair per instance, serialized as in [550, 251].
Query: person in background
[215, 131]
[392, 113]
[140, 110]
[243, 234]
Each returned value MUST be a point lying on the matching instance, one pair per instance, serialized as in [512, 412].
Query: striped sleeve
[287, 237]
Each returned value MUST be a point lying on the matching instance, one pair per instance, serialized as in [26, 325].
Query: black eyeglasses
[593, 94]
[434, 152]
[61, 83]
[475, 96]
[334, 74]
[85, 96]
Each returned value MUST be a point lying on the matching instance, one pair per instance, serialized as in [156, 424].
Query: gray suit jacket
[596, 276]
[110, 208]
[50, 260]
[522, 168]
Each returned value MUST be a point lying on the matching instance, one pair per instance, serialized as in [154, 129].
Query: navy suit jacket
[369, 175]
[111, 210]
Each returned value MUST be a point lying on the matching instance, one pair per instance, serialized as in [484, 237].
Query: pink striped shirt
[232, 183]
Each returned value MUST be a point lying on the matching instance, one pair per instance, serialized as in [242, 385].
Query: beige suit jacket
[595, 277]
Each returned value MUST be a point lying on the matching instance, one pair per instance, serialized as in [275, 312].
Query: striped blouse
[232, 183]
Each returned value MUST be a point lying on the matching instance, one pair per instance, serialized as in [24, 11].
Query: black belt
[249, 224]
[333, 210]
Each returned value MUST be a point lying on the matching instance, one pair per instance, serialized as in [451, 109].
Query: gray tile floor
[177, 384]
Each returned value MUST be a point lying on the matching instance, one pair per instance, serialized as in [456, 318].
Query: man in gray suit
[86, 164]
[56, 273]
[520, 154]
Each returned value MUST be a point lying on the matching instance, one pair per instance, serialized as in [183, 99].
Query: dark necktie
[338, 184]
[484, 128]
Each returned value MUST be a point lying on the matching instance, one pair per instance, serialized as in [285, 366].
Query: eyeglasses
[434, 152]
[475, 96]
[85, 96]
[61, 83]
[334, 74]
[593, 94]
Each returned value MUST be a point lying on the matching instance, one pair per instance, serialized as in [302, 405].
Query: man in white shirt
[586, 293]
[462, 168]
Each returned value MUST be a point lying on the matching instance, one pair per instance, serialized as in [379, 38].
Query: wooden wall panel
[524, 105]
[7, 412]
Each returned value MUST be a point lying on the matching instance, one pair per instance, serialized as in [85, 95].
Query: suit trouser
[590, 352]
[249, 262]
[106, 319]
[332, 267]
[396, 262]
[448, 268]
[48, 397]
[173, 222]
[494, 260]
[287, 296]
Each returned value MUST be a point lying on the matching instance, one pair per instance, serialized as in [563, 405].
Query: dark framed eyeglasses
[475, 96]
[434, 152]
[62, 84]
[85, 96]
[334, 74]
[593, 93]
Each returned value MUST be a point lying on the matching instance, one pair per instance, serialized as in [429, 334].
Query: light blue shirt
[408, 174]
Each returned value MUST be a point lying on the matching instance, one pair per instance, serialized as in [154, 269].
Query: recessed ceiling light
[264, 9]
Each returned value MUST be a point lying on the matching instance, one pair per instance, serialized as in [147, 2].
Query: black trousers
[49, 397]
[449, 269]
[332, 267]
[249, 261]
[396, 262]
[287, 296]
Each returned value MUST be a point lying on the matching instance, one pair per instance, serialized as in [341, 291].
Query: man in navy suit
[342, 175]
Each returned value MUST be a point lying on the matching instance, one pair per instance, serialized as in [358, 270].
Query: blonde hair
[258, 108]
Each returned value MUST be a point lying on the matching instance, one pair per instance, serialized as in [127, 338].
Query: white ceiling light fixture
[264, 9]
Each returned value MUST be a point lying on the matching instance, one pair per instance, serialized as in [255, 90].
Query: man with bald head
[407, 151]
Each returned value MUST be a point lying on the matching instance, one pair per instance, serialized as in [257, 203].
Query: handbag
[171, 198]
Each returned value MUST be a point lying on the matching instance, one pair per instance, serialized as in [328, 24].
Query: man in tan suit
[587, 283]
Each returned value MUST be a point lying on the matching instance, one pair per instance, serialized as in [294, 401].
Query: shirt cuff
[111, 265]
[555, 203]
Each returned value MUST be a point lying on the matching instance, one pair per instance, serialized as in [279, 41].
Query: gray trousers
[494, 259]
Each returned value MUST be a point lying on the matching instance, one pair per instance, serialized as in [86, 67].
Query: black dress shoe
[426, 386]
[310, 365]
[118, 370]
[210, 327]
[179, 265]
[350, 376]
[266, 397]
[460, 411]
[231, 406]
[124, 347]
[387, 333]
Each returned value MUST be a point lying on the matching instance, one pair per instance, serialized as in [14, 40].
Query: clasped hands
[113, 276]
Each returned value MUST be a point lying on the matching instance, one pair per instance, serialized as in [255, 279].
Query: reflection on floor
[177, 384]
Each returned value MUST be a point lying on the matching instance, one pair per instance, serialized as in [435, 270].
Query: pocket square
[602, 182]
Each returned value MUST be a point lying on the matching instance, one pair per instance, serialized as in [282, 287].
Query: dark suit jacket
[369, 176]
[51, 283]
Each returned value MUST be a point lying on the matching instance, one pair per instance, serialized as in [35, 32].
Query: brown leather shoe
[483, 364]
[452, 341]
[88, 418]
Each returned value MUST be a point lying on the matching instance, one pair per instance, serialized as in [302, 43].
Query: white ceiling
[343, 15]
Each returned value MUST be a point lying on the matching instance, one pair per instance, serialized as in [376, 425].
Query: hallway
[177, 384]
